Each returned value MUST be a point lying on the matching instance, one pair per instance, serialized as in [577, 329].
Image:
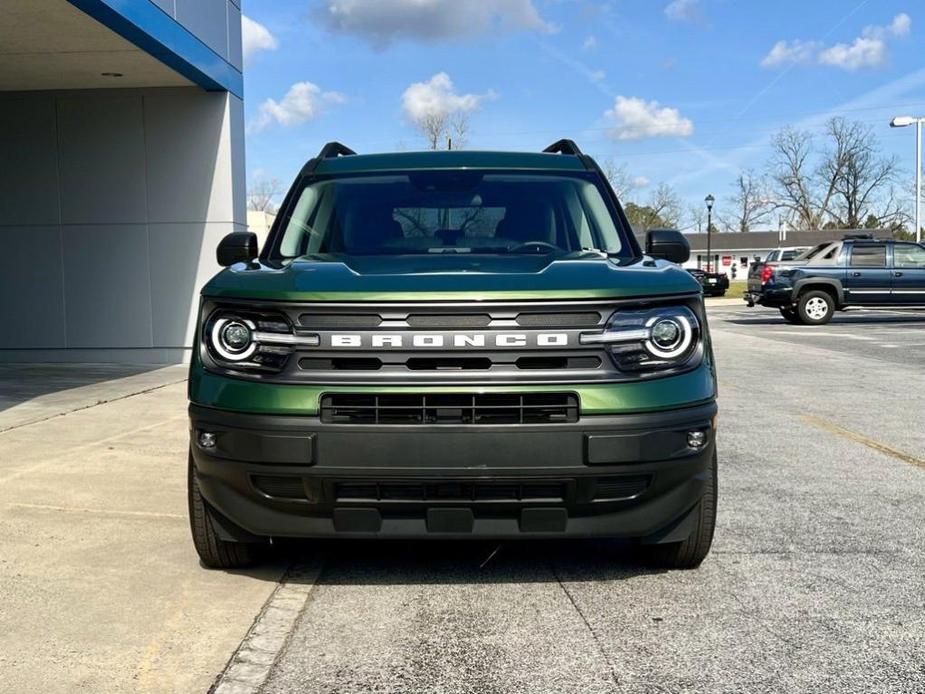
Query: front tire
[214, 552]
[690, 553]
[816, 307]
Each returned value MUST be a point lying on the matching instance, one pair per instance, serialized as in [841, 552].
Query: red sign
[727, 260]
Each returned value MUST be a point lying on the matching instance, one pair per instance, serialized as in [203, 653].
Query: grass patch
[737, 288]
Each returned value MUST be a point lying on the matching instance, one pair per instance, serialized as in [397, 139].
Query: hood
[451, 277]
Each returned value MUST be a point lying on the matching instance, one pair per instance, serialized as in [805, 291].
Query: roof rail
[563, 146]
[332, 150]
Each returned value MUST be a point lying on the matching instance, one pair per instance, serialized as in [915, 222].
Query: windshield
[440, 212]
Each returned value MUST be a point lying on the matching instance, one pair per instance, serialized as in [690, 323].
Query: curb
[251, 664]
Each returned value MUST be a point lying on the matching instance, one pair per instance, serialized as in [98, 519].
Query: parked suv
[857, 271]
[452, 345]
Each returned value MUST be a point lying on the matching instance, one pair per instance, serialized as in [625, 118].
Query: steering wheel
[539, 245]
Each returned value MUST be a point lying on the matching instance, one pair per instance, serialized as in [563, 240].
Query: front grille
[340, 321]
[340, 364]
[457, 321]
[448, 408]
[559, 320]
[558, 363]
[429, 344]
[553, 491]
[448, 362]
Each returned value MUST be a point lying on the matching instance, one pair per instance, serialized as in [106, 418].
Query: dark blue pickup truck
[856, 271]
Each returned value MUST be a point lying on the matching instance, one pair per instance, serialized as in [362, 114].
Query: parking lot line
[99, 511]
[820, 333]
[825, 424]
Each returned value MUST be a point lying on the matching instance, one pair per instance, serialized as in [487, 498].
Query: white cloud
[870, 49]
[862, 52]
[303, 102]
[683, 10]
[901, 25]
[256, 37]
[380, 22]
[633, 118]
[640, 182]
[790, 52]
[597, 76]
[589, 44]
[437, 97]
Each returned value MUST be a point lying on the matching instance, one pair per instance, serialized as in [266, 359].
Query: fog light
[207, 439]
[696, 439]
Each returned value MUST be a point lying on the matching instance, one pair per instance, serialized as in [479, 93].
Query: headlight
[233, 338]
[252, 341]
[651, 340]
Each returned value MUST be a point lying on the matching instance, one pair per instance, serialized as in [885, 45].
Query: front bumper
[630, 475]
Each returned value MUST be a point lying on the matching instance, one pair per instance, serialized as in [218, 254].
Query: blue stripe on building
[155, 32]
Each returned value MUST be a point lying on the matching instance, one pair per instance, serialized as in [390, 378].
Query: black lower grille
[281, 487]
[625, 487]
[489, 408]
[553, 491]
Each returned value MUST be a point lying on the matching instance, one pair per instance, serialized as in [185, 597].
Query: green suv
[452, 345]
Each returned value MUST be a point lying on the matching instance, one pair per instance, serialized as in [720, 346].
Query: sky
[687, 92]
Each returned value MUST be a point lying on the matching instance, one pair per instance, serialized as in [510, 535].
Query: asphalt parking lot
[816, 582]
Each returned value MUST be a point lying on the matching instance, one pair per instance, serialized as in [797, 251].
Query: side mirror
[668, 244]
[237, 247]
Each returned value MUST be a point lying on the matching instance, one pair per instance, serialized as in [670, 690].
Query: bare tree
[666, 205]
[432, 127]
[618, 177]
[261, 194]
[863, 179]
[894, 211]
[749, 202]
[458, 130]
[444, 129]
[841, 185]
[794, 180]
[697, 217]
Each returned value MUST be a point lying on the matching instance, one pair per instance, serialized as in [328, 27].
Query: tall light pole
[903, 122]
[709, 200]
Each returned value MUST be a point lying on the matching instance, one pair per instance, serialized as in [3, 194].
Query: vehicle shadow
[21, 383]
[839, 319]
[423, 562]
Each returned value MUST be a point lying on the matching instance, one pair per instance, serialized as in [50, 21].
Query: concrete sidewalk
[100, 588]
[34, 392]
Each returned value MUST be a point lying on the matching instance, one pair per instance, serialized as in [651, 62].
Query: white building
[121, 167]
[733, 252]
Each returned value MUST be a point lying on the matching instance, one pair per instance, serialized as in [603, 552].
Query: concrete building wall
[111, 205]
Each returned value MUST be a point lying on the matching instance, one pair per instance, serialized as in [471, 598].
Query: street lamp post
[709, 200]
[903, 122]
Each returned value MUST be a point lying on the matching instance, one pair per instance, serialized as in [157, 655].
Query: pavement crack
[584, 619]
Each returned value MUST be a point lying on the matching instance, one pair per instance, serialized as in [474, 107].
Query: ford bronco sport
[452, 345]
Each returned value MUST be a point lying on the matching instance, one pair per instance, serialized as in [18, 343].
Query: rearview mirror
[668, 244]
[237, 247]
